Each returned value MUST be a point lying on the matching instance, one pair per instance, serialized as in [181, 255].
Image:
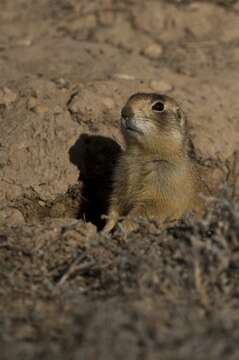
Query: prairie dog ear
[180, 117]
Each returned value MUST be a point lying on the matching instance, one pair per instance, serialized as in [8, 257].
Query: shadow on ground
[95, 156]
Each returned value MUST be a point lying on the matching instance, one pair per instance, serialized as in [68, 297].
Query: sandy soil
[67, 292]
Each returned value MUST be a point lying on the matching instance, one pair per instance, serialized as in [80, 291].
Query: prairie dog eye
[158, 106]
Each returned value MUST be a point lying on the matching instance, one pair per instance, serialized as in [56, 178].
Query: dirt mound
[68, 291]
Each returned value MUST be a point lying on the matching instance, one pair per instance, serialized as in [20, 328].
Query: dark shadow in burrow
[96, 157]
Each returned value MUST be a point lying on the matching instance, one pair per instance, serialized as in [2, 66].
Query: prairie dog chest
[158, 179]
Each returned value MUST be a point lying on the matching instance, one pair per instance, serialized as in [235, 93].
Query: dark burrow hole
[95, 156]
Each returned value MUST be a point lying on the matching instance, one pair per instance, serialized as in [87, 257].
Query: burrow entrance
[96, 157]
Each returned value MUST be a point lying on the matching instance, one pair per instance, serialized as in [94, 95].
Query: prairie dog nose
[127, 112]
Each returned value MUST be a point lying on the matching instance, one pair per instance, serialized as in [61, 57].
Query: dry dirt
[66, 291]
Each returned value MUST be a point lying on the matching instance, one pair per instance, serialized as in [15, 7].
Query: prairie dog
[157, 175]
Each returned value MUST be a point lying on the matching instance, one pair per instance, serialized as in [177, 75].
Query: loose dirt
[68, 292]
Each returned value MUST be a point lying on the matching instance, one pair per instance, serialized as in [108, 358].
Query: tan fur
[157, 175]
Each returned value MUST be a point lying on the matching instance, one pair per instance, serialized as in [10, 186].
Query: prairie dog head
[152, 120]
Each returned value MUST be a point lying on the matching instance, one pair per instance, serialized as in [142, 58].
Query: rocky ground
[68, 292]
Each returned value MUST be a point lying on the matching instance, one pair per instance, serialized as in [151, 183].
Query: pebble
[24, 42]
[57, 110]
[34, 106]
[7, 96]
[61, 82]
[124, 76]
[11, 216]
[153, 51]
[160, 86]
[108, 102]
[75, 104]
[31, 103]
[40, 109]
[83, 23]
[37, 108]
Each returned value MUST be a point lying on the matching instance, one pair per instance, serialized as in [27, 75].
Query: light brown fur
[158, 174]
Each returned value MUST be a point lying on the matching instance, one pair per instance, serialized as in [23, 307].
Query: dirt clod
[160, 86]
[153, 51]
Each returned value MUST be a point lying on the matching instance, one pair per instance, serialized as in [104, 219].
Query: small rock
[160, 86]
[24, 42]
[57, 110]
[11, 216]
[124, 76]
[61, 82]
[40, 109]
[75, 104]
[58, 210]
[153, 51]
[31, 103]
[86, 22]
[7, 96]
[108, 102]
